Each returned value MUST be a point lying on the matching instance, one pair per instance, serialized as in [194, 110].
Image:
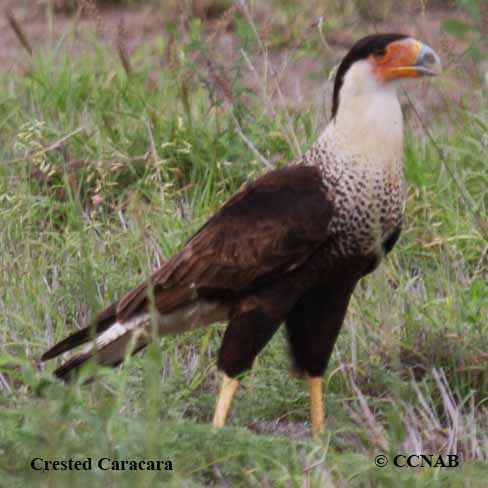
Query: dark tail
[106, 340]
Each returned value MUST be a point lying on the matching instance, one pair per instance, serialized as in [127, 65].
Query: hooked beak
[428, 62]
[407, 58]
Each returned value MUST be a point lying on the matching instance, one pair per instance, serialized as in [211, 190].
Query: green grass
[148, 158]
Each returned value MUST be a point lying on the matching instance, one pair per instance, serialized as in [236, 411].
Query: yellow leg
[316, 404]
[227, 391]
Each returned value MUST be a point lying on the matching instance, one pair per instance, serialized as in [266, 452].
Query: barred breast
[368, 199]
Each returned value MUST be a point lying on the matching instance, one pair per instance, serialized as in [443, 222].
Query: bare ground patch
[280, 70]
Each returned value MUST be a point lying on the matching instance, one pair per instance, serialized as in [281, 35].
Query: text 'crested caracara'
[289, 247]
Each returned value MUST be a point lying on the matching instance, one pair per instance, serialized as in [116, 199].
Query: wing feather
[268, 228]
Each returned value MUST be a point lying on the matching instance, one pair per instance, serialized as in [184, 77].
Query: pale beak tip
[428, 62]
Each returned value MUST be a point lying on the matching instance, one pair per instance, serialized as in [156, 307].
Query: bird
[289, 247]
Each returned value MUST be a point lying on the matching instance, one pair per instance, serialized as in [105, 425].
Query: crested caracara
[290, 246]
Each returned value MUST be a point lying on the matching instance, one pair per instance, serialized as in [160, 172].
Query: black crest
[373, 44]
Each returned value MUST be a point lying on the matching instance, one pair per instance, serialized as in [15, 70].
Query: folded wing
[270, 227]
[267, 229]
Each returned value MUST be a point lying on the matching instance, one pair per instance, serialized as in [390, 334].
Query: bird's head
[376, 62]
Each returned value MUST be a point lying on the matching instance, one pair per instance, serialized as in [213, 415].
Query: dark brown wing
[270, 227]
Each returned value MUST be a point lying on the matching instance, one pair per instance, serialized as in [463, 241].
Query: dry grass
[118, 146]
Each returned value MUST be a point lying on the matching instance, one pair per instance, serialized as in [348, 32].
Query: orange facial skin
[399, 61]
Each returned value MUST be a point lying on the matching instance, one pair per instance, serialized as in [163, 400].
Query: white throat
[369, 120]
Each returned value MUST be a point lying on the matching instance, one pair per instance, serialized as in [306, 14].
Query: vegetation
[110, 162]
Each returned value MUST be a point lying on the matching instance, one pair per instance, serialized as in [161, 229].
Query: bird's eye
[378, 51]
